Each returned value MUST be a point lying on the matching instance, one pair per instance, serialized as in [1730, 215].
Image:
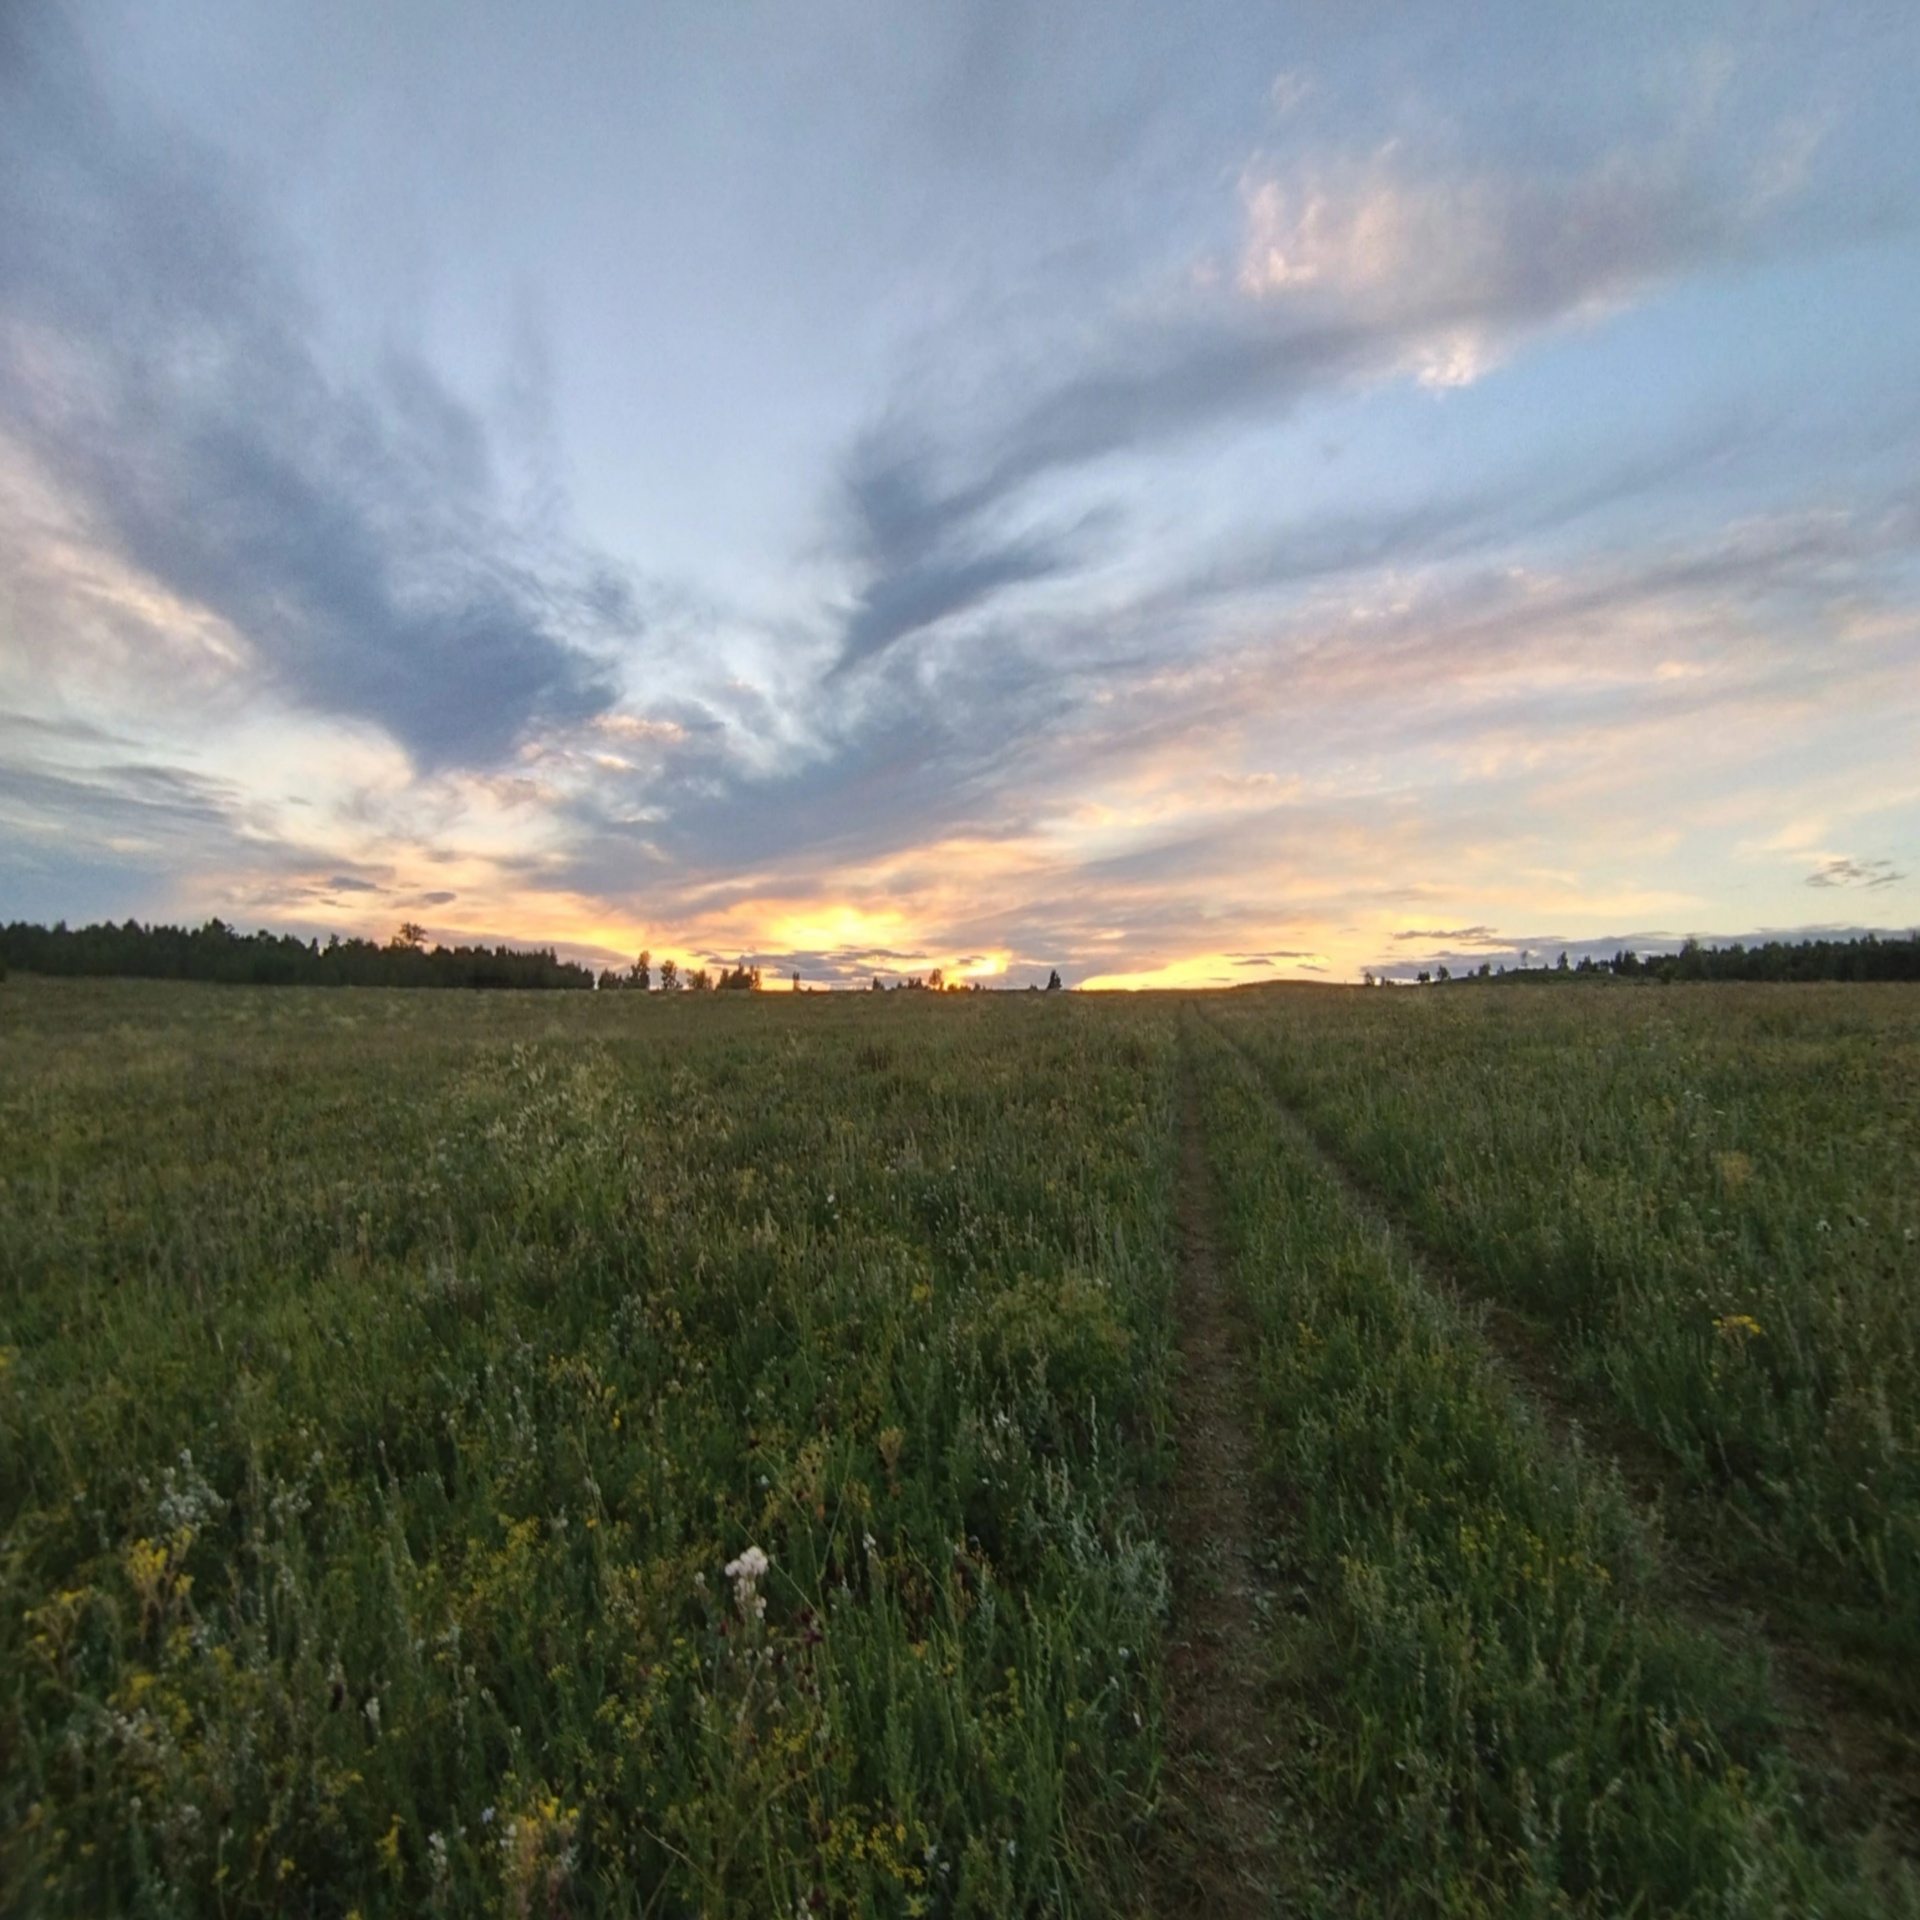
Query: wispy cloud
[157, 365]
[1870, 874]
[1452, 936]
[925, 556]
[1434, 267]
[1349, 271]
[1161, 629]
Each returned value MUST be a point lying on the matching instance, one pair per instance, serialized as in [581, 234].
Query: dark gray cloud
[159, 363]
[1473, 936]
[105, 842]
[1855, 873]
[927, 554]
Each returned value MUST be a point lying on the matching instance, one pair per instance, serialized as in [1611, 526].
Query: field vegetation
[625, 1453]
[1710, 1200]
[458, 1455]
[1489, 1706]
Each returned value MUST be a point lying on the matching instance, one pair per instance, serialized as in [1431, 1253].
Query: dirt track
[1226, 1857]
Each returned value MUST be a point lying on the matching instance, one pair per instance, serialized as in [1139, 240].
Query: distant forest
[1869, 958]
[217, 952]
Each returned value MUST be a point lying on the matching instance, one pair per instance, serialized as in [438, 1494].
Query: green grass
[1489, 1709]
[389, 1380]
[1711, 1196]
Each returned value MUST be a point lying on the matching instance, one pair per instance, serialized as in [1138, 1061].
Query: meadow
[466, 1453]
[647, 1454]
[1709, 1202]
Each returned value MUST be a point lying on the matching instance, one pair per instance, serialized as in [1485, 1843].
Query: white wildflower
[746, 1573]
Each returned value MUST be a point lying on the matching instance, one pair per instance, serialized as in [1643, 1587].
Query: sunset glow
[1276, 493]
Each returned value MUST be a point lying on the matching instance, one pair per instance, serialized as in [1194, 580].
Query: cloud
[1855, 873]
[1287, 91]
[927, 552]
[1438, 249]
[159, 366]
[1390, 269]
[1033, 725]
[1470, 936]
[1123, 779]
[129, 838]
[1350, 271]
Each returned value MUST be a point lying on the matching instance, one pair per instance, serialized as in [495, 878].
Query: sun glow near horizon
[1349, 527]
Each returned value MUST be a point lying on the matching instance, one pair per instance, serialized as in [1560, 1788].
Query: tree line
[638, 978]
[1867, 958]
[219, 952]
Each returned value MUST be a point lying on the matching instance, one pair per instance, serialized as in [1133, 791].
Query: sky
[1176, 495]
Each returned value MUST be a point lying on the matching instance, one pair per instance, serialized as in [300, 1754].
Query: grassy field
[1710, 1200]
[391, 1381]
[541, 1454]
[1488, 1704]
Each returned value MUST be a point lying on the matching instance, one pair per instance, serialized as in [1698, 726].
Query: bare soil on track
[1225, 1855]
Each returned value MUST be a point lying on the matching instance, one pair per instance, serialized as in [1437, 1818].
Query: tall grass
[1712, 1195]
[1493, 1712]
[391, 1383]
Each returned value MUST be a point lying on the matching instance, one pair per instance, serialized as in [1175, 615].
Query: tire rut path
[1227, 1855]
[1863, 1772]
